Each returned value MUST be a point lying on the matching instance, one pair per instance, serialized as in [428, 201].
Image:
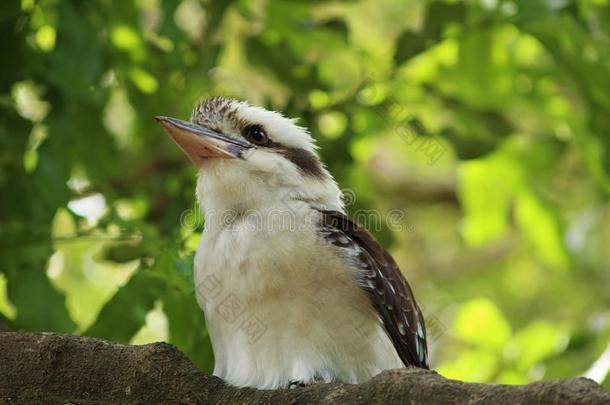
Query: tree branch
[49, 368]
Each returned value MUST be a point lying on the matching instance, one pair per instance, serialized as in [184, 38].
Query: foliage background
[506, 231]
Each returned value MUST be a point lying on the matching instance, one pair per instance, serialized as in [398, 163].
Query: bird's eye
[256, 135]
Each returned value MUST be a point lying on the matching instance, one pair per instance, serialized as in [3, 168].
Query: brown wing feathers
[384, 284]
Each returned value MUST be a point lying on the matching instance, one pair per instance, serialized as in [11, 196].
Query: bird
[293, 291]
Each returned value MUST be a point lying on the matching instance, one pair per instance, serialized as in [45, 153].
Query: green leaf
[537, 341]
[187, 329]
[480, 322]
[511, 377]
[124, 252]
[542, 229]
[76, 61]
[125, 313]
[6, 324]
[176, 270]
[440, 14]
[471, 365]
[486, 188]
[39, 306]
[606, 383]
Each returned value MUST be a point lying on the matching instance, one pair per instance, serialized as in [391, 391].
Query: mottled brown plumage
[215, 111]
[385, 285]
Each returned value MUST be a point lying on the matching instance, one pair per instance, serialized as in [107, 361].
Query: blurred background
[484, 124]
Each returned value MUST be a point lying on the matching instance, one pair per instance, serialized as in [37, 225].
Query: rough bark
[54, 368]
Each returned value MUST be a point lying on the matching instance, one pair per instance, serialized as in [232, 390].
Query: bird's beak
[201, 143]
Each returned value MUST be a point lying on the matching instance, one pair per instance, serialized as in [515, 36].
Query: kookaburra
[329, 301]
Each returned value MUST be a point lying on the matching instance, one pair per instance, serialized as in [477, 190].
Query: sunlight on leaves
[470, 365]
[37, 137]
[190, 17]
[537, 341]
[542, 229]
[481, 323]
[6, 308]
[120, 118]
[28, 101]
[126, 39]
[332, 124]
[486, 188]
[45, 38]
[143, 80]
[155, 329]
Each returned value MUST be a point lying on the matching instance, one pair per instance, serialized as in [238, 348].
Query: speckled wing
[384, 284]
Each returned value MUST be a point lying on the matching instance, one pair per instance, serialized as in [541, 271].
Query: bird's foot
[296, 384]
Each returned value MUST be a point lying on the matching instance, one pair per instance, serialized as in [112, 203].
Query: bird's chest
[255, 260]
[273, 269]
[279, 299]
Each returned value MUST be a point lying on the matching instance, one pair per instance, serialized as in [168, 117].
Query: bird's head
[248, 156]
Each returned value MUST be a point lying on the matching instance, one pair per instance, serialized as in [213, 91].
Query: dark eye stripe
[307, 162]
